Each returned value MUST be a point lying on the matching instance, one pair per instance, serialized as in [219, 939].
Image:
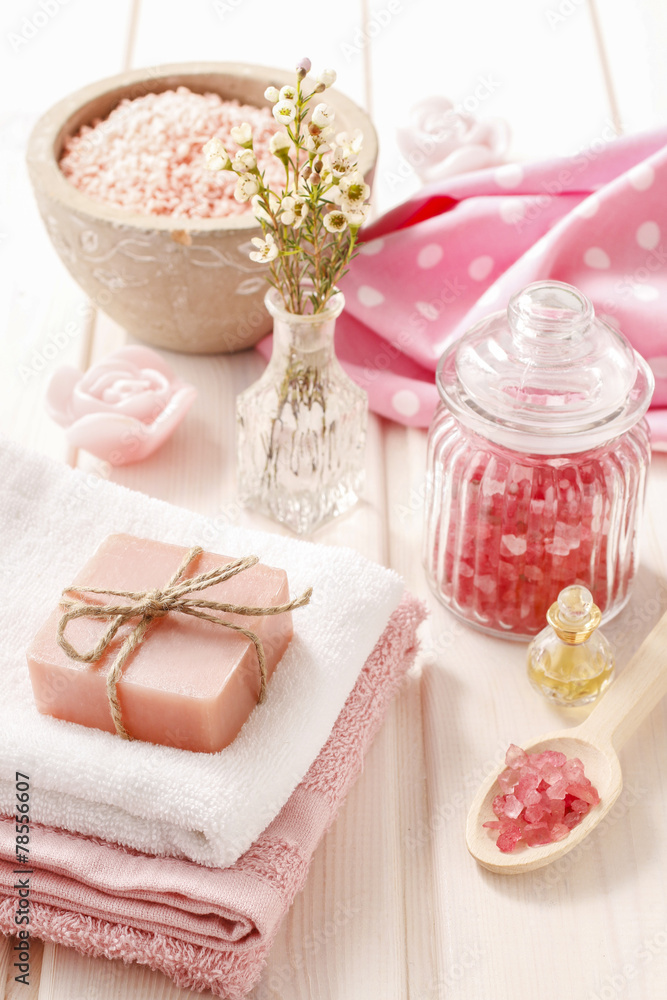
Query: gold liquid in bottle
[569, 661]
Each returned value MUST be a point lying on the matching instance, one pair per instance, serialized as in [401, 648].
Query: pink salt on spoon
[596, 742]
[542, 797]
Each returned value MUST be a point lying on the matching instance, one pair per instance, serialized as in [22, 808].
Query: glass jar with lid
[537, 462]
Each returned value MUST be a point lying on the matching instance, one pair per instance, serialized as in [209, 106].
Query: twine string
[149, 605]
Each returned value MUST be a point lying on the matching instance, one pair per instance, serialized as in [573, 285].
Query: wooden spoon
[596, 741]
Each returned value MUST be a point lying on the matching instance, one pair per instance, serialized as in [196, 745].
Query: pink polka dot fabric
[458, 250]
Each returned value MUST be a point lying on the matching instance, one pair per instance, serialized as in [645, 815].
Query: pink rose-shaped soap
[123, 408]
[443, 140]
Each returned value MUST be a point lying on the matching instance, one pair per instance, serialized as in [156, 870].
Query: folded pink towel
[206, 928]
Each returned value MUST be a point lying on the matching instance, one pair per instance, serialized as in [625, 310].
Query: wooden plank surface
[413, 916]
[13, 989]
[45, 318]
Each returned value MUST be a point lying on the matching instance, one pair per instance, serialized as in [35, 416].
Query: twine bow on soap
[151, 604]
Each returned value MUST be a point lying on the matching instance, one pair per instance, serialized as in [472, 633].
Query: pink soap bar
[190, 684]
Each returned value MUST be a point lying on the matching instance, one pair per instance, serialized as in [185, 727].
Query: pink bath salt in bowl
[543, 796]
[146, 155]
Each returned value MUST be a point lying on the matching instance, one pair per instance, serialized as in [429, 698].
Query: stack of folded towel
[184, 862]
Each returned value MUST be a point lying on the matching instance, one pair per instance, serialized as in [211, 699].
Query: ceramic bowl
[180, 283]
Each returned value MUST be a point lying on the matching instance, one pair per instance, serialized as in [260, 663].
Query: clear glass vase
[301, 428]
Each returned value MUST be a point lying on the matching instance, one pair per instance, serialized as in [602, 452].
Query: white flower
[287, 93]
[338, 163]
[334, 195]
[272, 94]
[335, 221]
[242, 134]
[213, 147]
[217, 163]
[260, 211]
[244, 161]
[323, 115]
[358, 216]
[246, 186]
[345, 149]
[294, 211]
[266, 249]
[351, 179]
[327, 77]
[284, 112]
[316, 144]
[300, 213]
[216, 155]
[280, 143]
[351, 143]
[353, 190]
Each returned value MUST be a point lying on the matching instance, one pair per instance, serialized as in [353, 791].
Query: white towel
[207, 807]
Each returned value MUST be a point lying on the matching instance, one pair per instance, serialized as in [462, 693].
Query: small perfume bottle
[569, 661]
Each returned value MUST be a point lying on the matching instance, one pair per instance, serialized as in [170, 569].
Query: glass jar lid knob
[550, 314]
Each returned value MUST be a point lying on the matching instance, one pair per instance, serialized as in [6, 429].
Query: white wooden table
[394, 907]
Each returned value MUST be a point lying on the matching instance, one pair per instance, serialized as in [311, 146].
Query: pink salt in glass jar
[537, 463]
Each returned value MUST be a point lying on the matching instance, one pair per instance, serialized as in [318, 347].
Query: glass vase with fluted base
[301, 428]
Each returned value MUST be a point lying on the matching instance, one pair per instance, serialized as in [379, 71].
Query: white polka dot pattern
[369, 296]
[405, 402]
[648, 235]
[480, 268]
[598, 258]
[430, 255]
[508, 176]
